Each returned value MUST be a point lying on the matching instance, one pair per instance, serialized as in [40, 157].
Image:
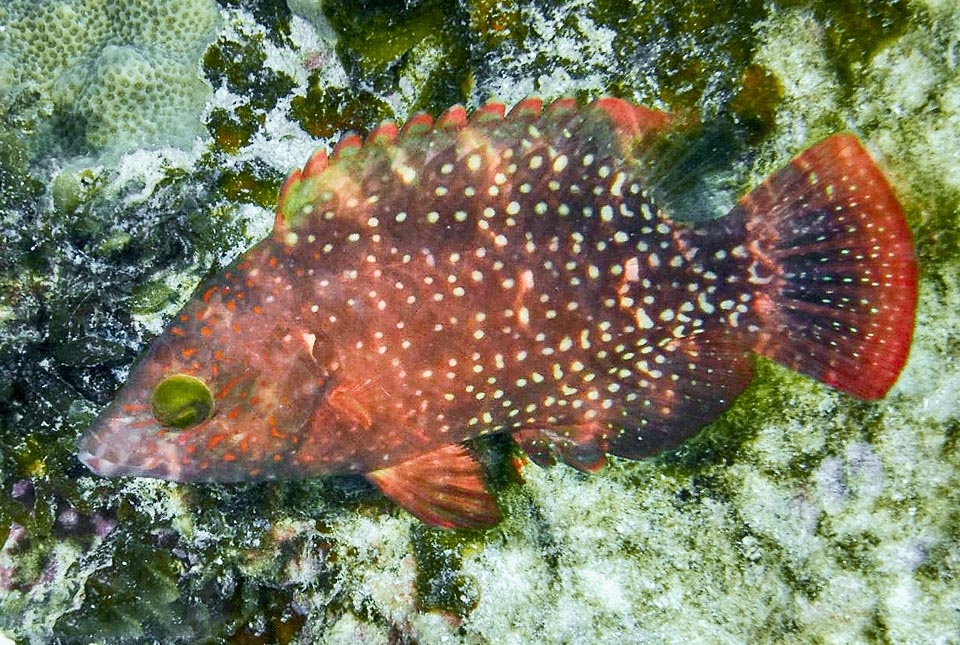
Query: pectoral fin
[445, 488]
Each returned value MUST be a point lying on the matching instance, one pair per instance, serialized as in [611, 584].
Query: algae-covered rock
[801, 515]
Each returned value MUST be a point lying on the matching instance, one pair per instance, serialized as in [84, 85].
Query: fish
[514, 272]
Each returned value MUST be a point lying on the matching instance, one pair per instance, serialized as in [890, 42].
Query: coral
[107, 75]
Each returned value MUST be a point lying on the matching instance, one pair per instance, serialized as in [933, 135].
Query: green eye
[181, 401]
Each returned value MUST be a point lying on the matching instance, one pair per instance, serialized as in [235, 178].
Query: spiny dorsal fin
[445, 488]
[631, 123]
[530, 108]
[417, 125]
[490, 112]
[349, 145]
[453, 119]
[384, 134]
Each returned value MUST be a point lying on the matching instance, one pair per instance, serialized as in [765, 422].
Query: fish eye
[181, 401]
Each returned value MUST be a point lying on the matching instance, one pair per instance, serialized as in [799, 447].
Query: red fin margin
[492, 111]
[454, 118]
[842, 306]
[384, 134]
[445, 488]
[529, 108]
[317, 163]
[349, 145]
[417, 125]
[562, 107]
[635, 122]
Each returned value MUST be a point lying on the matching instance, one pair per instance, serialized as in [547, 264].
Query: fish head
[227, 392]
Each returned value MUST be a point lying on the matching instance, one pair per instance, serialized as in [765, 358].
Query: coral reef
[801, 515]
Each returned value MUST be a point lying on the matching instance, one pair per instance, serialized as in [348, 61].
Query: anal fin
[445, 488]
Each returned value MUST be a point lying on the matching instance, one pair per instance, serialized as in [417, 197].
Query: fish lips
[121, 445]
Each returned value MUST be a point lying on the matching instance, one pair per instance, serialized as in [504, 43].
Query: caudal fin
[841, 301]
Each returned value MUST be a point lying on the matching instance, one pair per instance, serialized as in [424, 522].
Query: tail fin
[840, 306]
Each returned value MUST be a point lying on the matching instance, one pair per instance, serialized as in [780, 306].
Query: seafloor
[142, 143]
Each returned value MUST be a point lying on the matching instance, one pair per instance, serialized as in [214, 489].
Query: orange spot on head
[178, 331]
[205, 331]
[225, 390]
[272, 262]
[184, 317]
[257, 309]
[229, 457]
[188, 352]
[231, 305]
[208, 293]
[244, 445]
[214, 440]
[277, 457]
[236, 327]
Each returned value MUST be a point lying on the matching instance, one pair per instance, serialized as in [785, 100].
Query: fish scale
[450, 279]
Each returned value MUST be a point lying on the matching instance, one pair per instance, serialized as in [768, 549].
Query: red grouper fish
[514, 274]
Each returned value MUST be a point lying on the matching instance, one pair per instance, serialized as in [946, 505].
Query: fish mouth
[121, 446]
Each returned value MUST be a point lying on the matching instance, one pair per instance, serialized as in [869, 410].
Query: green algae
[374, 37]
[273, 14]
[439, 582]
[326, 111]
[854, 31]
[234, 130]
[253, 183]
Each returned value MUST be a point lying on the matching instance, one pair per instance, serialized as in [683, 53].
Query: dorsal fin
[417, 125]
[285, 191]
[349, 145]
[634, 121]
[384, 134]
[316, 164]
[490, 112]
[530, 108]
[453, 119]
[562, 107]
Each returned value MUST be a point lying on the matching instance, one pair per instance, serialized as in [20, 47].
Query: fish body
[510, 273]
